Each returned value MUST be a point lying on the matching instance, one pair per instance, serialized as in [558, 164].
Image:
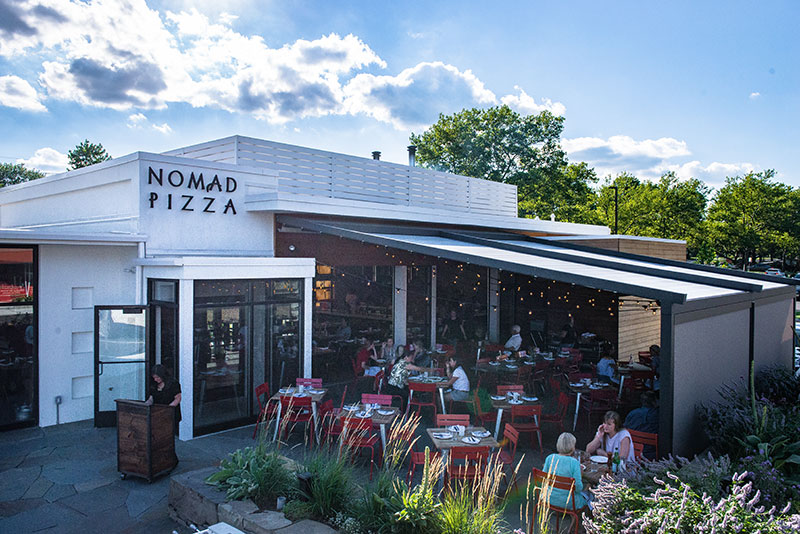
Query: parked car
[774, 272]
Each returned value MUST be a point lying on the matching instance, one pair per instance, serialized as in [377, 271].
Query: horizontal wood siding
[638, 328]
[654, 249]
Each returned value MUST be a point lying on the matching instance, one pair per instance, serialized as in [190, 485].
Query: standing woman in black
[165, 390]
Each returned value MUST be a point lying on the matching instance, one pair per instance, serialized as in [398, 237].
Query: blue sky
[707, 89]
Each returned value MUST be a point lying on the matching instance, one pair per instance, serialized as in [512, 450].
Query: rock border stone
[193, 502]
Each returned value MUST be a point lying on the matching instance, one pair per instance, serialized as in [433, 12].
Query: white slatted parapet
[316, 173]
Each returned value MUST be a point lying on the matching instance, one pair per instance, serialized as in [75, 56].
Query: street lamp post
[616, 205]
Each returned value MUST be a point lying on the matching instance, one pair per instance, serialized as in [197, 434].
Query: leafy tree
[501, 145]
[750, 216]
[85, 154]
[16, 173]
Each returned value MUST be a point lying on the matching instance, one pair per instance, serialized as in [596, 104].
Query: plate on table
[385, 412]
[494, 363]
[363, 415]
[510, 366]
[498, 397]
[470, 440]
[598, 459]
[456, 428]
[512, 401]
[350, 407]
[576, 384]
[511, 360]
[443, 435]
[528, 362]
[596, 386]
[530, 399]
[316, 391]
[440, 351]
[301, 395]
[434, 379]
[481, 433]
[284, 391]
[549, 359]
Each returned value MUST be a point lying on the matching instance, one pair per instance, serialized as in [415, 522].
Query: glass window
[239, 344]
[17, 338]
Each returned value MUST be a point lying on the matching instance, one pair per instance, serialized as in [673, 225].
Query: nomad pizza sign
[195, 192]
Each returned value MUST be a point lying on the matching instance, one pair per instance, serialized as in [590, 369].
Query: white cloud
[135, 120]
[754, 96]
[17, 93]
[415, 97]
[526, 104]
[648, 158]
[47, 160]
[163, 128]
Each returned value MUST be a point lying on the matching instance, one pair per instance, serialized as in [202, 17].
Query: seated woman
[564, 464]
[397, 383]
[457, 379]
[611, 436]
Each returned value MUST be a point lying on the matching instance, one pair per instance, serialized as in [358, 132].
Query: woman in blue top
[565, 464]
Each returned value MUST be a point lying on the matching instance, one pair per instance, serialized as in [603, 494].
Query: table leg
[441, 396]
[316, 419]
[497, 424]
[408, 403]
[383, 437]
[539, 434]
[277, 421]
[577, 405]
[621, 382]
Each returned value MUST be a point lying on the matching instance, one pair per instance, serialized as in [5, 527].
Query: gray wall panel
[773, 334]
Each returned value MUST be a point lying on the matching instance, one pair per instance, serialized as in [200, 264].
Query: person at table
[645, 418]
[456, 379]
[606, 369]
[165, 390]
[569, 336]
[387, 350]
[365, 359]
[655, 365]
[515, 341]
[453, 330]
[422, 357]
[344, 332]
[610, 436]
[397, 384]
[564, 464]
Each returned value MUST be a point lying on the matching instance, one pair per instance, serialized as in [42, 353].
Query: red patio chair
[357, 434]
[598, 402]
[505, 389]
[482, 417]
[418, 459]
[645, 438]
[474, 458]
[309, 382]
[543, 480]
[416, 391]
[443, 421]
[524, 419]
[297, 410]
[266, 411]
[557, 418]
[508, 453]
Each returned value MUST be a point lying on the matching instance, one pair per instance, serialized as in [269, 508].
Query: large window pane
[17, 339]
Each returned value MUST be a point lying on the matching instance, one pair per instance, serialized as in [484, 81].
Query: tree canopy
[16, 173]
[85, 154]
[501, 145]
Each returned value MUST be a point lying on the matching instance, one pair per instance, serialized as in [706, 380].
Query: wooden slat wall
[655, 249]
[306, 171]
[638, 329]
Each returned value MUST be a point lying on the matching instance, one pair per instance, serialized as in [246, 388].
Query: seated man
[457, 379]
[606, 369]
[515, 341]
[644, 419]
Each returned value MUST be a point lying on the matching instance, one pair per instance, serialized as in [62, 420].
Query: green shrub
[778, 385]
[417, 506]
[331, 486]
[298, 510]
[373, 510]
[255, 473]
[462, 513]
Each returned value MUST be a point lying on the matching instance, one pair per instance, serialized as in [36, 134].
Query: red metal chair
[443, 420]
[543, 483]
[419, 401]
[645, 358]
[474, 458]
[557, 418]
[645, 438]
[525, 419]
[638, 449]
[418, 459]
[598, 402]
[508, 453]
[377, 384]
[297, 410]
[357, 434]
[266, 411]
[482, 417]
[309, 382]
[383, 400]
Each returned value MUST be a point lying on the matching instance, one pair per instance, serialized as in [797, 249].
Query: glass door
[119, 358]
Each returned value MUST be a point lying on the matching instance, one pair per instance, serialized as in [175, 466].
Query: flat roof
[664, 280]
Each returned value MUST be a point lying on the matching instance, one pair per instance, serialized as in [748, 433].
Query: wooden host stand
[145, 439]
